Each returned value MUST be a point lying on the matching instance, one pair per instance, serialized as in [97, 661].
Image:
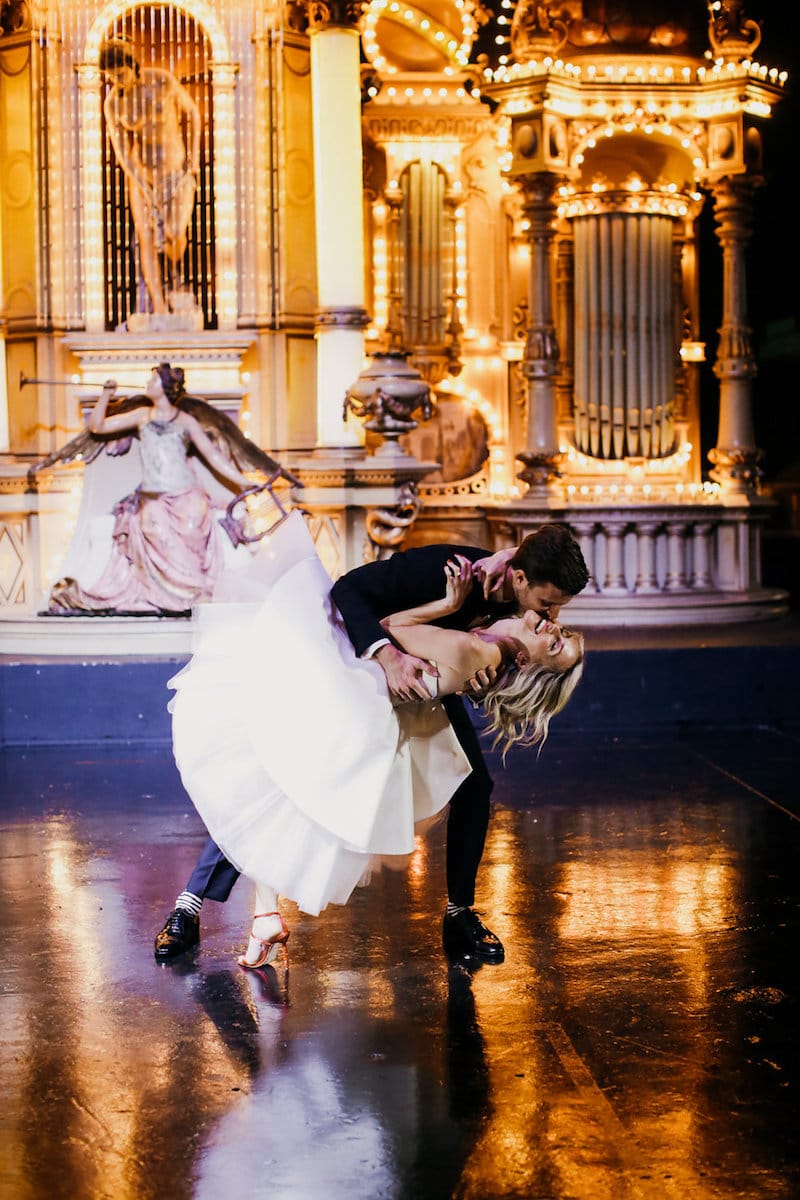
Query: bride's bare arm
[457, 653]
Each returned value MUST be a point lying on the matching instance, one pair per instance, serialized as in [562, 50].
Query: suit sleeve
[408, 578]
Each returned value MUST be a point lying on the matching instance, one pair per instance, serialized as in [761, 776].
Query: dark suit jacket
[408, 578]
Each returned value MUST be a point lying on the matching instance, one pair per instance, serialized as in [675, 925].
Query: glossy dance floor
[641, 1039]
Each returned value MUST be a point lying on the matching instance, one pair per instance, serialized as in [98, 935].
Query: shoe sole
[168, 956]
[474, 955]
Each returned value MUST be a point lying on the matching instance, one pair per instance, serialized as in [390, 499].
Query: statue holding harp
[154, 126]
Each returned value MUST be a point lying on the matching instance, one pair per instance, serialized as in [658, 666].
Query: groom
[542, 574]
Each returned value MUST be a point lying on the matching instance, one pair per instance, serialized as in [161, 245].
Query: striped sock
[188, 902]
[452, 909]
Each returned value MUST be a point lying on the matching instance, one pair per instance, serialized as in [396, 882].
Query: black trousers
[468, 818]
[213, 877]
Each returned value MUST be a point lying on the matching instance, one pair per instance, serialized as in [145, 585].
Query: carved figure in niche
[154, 126]
[167, 547]
[456, 437]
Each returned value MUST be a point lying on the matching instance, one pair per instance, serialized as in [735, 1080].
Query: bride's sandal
[261, 951]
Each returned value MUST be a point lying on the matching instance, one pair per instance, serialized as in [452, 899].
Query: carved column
[676, 575]
[225, 270]
[701, 556]
[646, 576]
[395, 323]
[341, 317]
[735, 455]
[615, 584]
[91, 152]
[584, 531]
[541, 456]
[565, 324]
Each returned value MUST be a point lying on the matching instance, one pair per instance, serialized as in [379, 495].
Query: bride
[303, 770]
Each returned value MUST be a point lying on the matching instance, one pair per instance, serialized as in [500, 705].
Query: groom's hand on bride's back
[404, 673]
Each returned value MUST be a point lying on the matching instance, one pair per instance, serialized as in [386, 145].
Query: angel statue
[154, 126]
[167, 548]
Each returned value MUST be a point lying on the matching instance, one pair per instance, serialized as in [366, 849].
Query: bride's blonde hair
[521, 704]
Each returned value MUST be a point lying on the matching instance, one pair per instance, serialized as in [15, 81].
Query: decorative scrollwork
[539, 470]
[385, 396]
[13, 16]
[731, 34]
[345, 14]
[341, 318]
[388, 527]
[735, 468]
[534, 31]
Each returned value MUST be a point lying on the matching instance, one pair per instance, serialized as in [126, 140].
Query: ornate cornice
[401, 126]
[341, 14]
[341, 318]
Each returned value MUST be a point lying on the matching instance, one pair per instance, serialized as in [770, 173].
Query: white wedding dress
[303, 772]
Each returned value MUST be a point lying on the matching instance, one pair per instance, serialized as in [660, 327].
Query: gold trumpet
[132, 389]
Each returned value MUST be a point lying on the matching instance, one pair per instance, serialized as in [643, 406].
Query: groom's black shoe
[181, 932]
[464, 936]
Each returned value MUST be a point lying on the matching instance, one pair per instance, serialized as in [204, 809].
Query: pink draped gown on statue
[167, 546]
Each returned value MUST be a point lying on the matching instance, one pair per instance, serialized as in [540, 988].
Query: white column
[701, 557]
[676, 575]
[336, 109]
[646, 576]
[585, 533]
[615, 584]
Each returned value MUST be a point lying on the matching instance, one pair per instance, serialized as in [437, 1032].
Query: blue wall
[631, 690]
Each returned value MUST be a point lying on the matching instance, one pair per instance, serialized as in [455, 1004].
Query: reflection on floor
[639, 1041]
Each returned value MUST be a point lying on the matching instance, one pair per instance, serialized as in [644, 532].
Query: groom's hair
[551, 554]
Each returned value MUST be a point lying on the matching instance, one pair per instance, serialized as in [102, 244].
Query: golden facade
[269, 196]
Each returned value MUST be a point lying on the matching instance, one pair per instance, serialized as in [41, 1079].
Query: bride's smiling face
[546, 643]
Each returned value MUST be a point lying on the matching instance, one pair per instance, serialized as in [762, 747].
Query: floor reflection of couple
[317, 727]
[378, 1106]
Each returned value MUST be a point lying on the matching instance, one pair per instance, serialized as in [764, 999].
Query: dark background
[773, 268]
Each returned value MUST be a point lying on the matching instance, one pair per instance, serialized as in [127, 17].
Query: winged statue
[225, 433]
[165, 552]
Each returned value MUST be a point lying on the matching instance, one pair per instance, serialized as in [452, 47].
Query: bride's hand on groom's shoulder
[458, 581]
[491, 570]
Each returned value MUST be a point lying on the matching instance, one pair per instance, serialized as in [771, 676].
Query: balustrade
[670, 563]
[649, 563]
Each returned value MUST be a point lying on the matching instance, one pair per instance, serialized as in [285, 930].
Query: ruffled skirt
[303, 772]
